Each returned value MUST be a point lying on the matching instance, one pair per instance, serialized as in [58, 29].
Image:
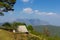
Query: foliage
[30, 28]
[6, 5]
[12, 25]
[15, 24]
[7, 25]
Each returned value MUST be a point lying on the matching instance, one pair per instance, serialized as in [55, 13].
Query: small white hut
[22, 28]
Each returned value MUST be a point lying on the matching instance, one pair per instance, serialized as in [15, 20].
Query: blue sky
[47, 10]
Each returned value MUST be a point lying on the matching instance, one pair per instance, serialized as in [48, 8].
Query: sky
[47, 10]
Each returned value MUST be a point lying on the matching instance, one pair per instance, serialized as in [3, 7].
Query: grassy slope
[5, 35]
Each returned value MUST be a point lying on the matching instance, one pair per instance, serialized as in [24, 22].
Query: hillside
[33, 35]
[54, 30]
[5, 35]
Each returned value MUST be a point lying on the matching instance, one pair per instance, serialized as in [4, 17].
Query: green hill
[54, 30]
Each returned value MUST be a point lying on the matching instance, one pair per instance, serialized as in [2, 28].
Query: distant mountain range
[33, 22]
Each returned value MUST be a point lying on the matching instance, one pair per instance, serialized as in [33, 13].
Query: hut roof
[22, 28]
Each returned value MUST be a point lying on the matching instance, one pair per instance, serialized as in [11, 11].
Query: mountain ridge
[33, 21]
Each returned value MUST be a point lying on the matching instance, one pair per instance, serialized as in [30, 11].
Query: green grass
[5, 35]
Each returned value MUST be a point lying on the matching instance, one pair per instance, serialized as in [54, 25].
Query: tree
[6, 5]
[30, 27]
[12, 26]
[7, 25]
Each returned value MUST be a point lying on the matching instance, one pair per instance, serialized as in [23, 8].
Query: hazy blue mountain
[23, 21]
[38, 22]
[1, 23]
[54, 30]
[33, 22]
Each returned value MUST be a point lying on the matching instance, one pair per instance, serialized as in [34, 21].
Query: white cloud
[44, 13]
[25, 1]
[51, 13]
[28, 10]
